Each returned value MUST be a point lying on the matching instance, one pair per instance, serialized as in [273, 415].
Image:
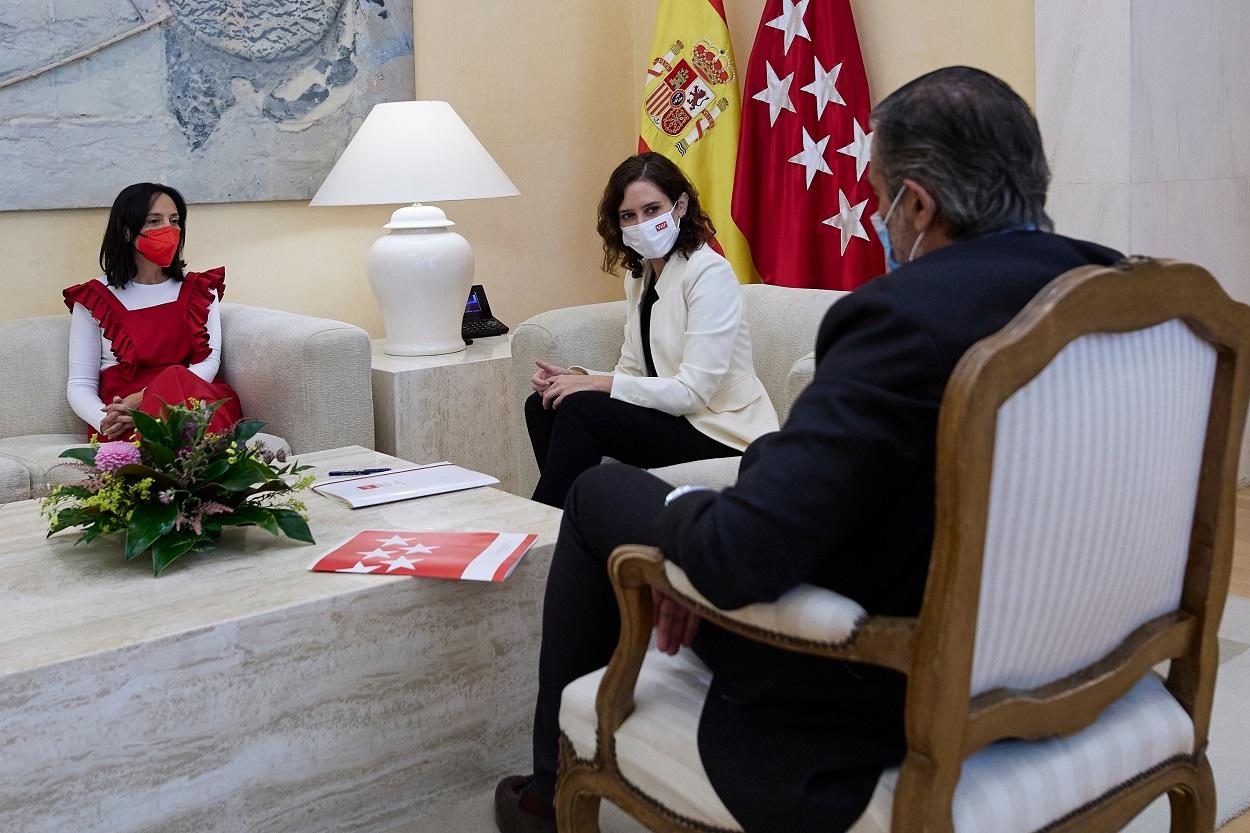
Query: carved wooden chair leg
[1193, 805]
[577, 811]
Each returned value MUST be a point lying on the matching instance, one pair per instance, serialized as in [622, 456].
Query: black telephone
[478, 322]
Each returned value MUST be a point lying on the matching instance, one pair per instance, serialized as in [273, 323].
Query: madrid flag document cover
[471, 556]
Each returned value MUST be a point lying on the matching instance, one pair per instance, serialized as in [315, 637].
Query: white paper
[387, 487]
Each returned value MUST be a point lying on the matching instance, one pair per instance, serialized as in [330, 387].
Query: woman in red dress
[145, 333]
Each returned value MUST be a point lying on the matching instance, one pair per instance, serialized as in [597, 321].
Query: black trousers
[591, 425]
[609, 505]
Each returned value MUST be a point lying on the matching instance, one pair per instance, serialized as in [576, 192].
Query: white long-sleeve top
[90, 352]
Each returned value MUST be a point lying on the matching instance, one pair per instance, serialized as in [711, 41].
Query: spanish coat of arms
[681, 98]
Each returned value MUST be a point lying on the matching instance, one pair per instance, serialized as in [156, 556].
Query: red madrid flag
[801, 193]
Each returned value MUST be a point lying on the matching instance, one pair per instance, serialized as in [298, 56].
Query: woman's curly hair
[695, 226]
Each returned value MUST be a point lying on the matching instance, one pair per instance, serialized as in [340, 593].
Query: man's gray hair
[972, 143]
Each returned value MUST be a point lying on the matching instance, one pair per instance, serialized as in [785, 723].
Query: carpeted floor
[1229, 751]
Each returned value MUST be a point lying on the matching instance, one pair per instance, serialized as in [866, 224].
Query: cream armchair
[783, 324]
[307, 378]
[1086, 468]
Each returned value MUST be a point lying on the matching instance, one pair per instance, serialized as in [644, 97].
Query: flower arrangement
[175, 488]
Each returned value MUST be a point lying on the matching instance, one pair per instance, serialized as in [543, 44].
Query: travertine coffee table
[240, 692]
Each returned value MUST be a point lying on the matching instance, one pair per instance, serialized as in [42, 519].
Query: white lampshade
[413, 151]
[421, 272]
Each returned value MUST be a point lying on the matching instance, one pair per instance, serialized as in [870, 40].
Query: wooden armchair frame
[944, 723]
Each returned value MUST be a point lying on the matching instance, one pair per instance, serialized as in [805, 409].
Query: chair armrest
[309, 379]
[589, 335]
[807, 620]
[807, 613]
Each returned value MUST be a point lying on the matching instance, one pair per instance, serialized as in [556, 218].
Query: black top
[644, 322]
[842, 497]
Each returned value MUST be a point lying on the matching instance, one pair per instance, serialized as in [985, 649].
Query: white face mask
[653, 238]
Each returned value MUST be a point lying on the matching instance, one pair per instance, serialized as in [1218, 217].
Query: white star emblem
[847, 220]
[824, 87]
[394, 541]
[359, 568]
[376, 553]
[400, 562]
[790, 21]
[421, 548]
[776, 94]
[861, 149]
[813, 157]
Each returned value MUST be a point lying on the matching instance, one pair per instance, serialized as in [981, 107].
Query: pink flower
[112, 456]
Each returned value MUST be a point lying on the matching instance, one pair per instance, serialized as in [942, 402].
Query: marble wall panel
[1205, 221]
[1097, 211]
[1191, 90]
[1082, 53]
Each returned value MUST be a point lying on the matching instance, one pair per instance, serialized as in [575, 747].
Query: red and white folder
[470, 556]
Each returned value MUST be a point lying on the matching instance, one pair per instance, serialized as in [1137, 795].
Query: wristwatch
[685, 490]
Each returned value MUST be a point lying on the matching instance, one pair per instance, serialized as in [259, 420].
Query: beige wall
[550, 87]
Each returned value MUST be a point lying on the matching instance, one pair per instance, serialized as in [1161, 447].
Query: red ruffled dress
[155, 346]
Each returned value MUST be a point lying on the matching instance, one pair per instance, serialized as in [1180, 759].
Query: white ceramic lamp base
[421, 274]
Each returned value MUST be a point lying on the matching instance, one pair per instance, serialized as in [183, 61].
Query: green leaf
[73, 491]
[293, 524]
[89, 534]
[83, 455]
[245, 429]
[250, 516]
[169, 548]
[151, 430]
[138, 471]
[175, 420]
[215, 469]
[267, 486]
[149, 522]
[244, 474]
[71, 516]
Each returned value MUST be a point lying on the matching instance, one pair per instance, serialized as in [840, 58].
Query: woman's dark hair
[972, 143]
[126, 219]
[696, 226]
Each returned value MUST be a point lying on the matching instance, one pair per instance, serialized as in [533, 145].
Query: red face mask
[159, 245]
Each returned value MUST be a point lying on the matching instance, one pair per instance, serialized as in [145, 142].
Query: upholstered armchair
[783, 324]
[1085, 493]
[307, 378]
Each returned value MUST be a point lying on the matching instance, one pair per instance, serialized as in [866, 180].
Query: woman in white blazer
[685, 386]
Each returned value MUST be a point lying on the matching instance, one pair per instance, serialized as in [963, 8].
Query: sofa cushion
[717, 473]
[40, 454]
[14, 480]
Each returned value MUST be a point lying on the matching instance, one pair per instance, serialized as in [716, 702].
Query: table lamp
[421, 271]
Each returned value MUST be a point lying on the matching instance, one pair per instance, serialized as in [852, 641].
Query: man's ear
[922, 204]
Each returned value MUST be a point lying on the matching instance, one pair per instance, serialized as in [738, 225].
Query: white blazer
[701, 349]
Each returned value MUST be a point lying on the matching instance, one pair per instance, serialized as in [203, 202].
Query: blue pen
[351, 472]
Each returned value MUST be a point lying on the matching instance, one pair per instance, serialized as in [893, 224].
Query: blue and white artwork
[226, 100]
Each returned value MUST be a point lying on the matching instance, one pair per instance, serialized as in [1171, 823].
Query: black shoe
[509, 816]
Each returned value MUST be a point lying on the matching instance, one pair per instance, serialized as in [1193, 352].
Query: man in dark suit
[843, 495]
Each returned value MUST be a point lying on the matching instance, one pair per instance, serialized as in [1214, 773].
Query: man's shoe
[510, 816]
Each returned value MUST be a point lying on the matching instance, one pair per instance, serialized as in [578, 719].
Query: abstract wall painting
[227, 100]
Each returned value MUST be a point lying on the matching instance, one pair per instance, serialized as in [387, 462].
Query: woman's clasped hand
[553, 383]
[118, 423]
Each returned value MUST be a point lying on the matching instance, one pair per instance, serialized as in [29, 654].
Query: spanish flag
[691, 111]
